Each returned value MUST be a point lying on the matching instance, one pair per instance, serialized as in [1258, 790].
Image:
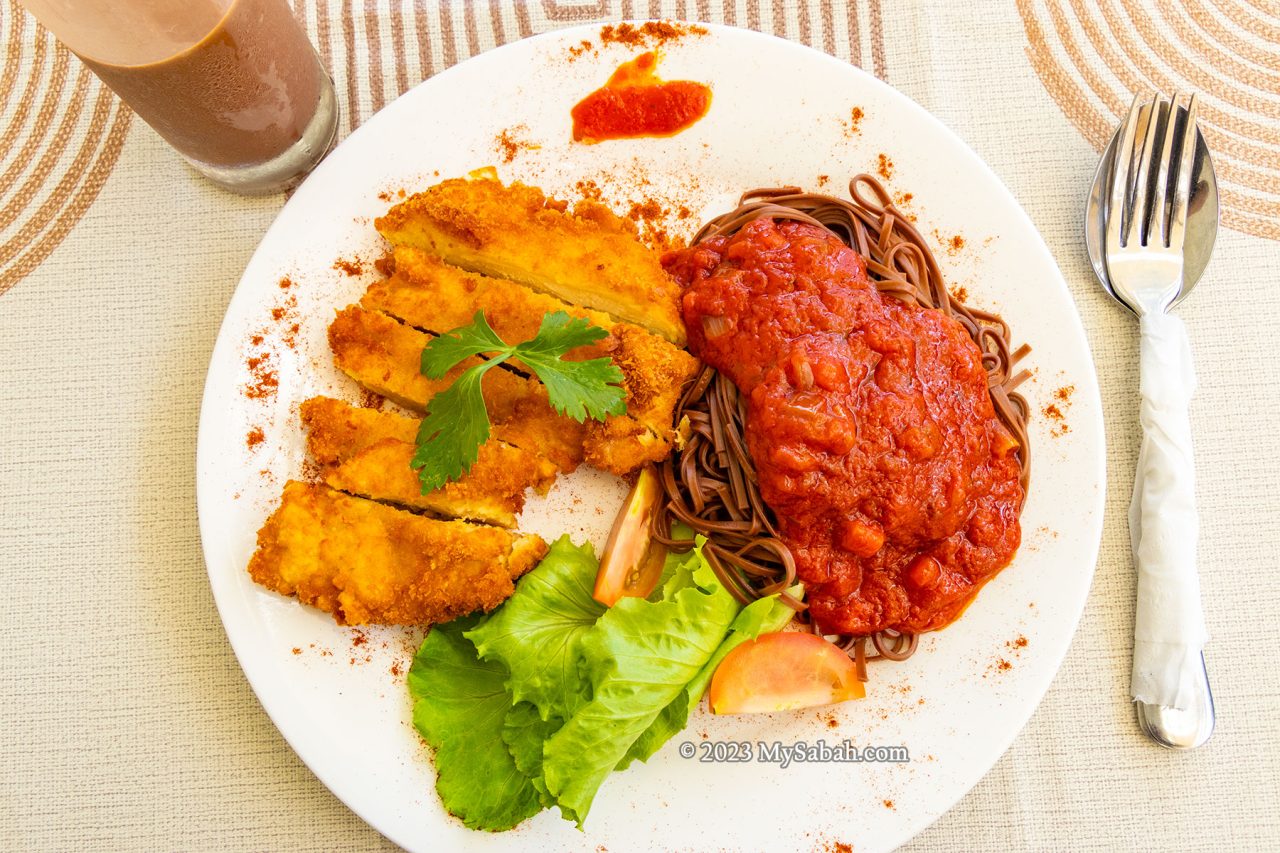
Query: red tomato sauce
[869, 422]
[635, 102]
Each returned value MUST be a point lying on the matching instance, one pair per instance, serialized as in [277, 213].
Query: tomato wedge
[779, 672]
[632, 562]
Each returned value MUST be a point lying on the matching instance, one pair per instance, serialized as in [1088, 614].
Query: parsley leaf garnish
[579, 389]
[442, 353]
[450, 436]
[457, 422]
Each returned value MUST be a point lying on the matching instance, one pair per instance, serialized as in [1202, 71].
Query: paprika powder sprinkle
[263, 379]
[650, 32]
[884, 167]
[853, 127]
[352, 267]
[635, 102]
[512, 141]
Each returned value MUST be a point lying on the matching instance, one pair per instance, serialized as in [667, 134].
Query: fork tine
[1162, 176]
[1141, 213]
[1121, 172]
[1182, 192]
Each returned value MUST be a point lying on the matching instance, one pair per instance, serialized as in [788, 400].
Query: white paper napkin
[1169, 630]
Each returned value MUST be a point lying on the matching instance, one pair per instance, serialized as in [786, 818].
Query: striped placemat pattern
[61, 131]
[1092, 57]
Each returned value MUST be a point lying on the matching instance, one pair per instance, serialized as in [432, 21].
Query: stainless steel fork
[1145, 229]
[1144, 242]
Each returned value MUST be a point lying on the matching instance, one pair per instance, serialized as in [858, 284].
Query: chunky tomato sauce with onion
[869, 422]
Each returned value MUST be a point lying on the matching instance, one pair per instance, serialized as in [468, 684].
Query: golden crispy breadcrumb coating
[655, 375]
[426, 292]
[588, 257]
[368, 453]
[384, 355]
[366, 562]
[338, 431]
[365, 544]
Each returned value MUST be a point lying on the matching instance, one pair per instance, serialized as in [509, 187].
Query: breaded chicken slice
[338, 432]
[588, 257]
[369, 453]
[366, 562]
[425, 291]
[656, 375]
[441, 297]
[385, 356]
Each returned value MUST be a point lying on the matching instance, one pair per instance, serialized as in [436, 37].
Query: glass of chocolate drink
[234, 85]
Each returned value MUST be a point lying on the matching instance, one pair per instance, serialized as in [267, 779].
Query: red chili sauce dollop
[868, 420]
[636, 102]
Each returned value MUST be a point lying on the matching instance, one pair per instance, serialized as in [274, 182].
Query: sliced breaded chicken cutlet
[359, 545]
[588, 256]
[369, 453]
[426, 292]
[366, 562]
[384, 356]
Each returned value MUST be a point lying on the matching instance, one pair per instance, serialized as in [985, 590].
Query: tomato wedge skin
[782, 672]
[632, 562]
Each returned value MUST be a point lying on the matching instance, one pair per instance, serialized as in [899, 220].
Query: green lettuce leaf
[766, 616]
[537, 632]
[677, 574]
[536, 704]
[524, 734]
[639, 658]
[759, 617]
[460, 708]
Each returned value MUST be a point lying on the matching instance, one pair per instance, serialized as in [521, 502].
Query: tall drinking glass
[233, 85]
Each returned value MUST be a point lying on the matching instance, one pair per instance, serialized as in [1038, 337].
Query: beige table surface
[125, 722]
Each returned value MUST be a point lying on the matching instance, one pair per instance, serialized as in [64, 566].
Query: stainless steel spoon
[1168, 727]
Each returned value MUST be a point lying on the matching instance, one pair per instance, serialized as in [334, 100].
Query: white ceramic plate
[780, 115]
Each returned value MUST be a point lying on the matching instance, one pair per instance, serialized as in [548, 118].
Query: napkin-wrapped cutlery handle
[1170, 684]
